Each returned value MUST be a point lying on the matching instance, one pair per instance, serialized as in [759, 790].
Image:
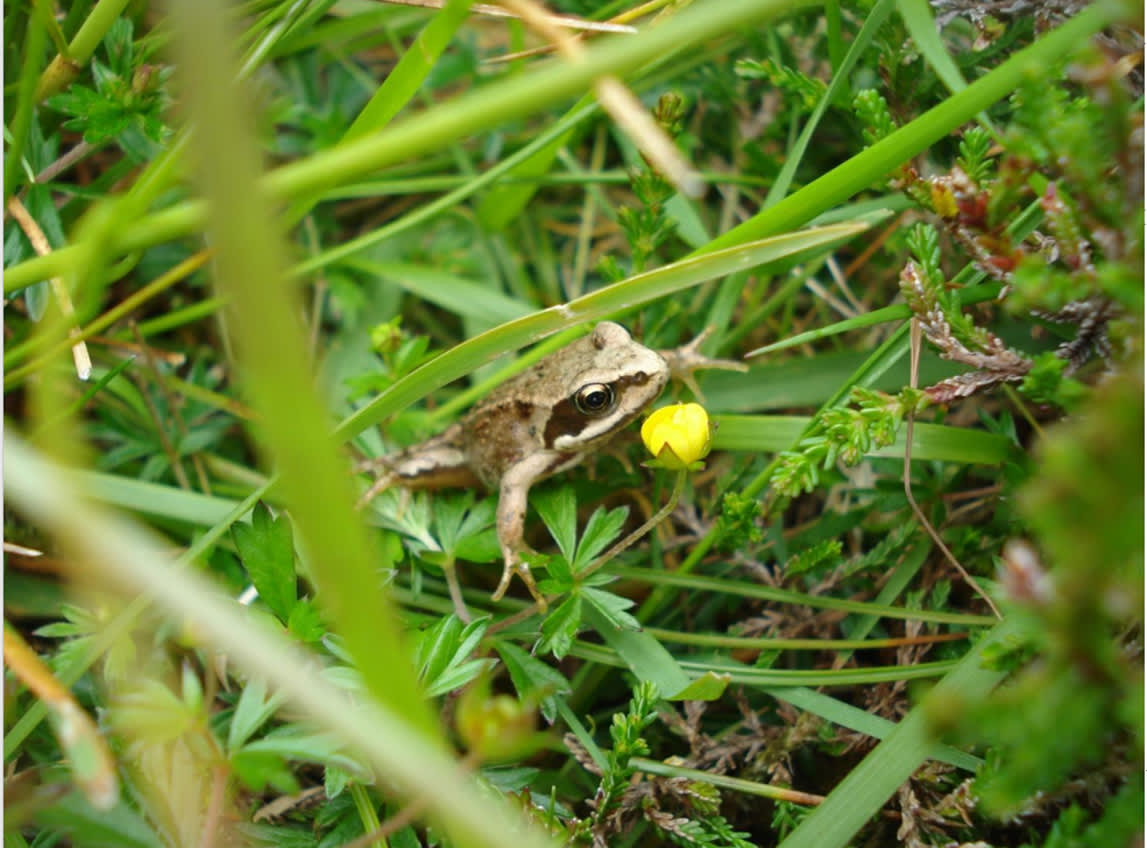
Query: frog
[541, 422]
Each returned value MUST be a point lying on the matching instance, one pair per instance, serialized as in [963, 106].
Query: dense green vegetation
[899, 603]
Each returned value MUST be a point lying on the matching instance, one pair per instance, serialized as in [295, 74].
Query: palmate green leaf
[252, 710]
[149, 712]
[601, 529]
[267, 552]
[481, 546]
[120, 827]
[443, 651]
[305, 622]
[561, 626]
[457, 676]
[463, 529]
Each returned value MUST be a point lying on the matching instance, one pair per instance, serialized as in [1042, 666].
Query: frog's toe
[379, 486]
[517, 566]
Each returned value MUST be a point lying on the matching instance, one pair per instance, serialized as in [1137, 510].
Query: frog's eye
[594, 399]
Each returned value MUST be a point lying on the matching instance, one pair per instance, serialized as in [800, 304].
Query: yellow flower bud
[678, 435]
[495, 727]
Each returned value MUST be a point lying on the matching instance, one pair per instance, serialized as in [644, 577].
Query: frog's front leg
[513, 497]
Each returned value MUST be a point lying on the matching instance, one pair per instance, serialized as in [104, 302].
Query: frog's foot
[686, 360]
[515, 565]
[383, 482]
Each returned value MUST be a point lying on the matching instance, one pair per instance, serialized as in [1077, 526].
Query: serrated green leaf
[436, 647]
[612, 606]
[708, 687]
[269, 557]
[532, 678]
[600, 531]
[457, 676]
[561, 626]
[259, 769]
[252, 709]
[558, 510]
[560, 573]
[305, 621]
[295, 743]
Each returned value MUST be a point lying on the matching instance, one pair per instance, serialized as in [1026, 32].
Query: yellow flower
[678, 435]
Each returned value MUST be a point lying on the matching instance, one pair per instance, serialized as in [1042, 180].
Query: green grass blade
[931, 442]
[628, 294]
[437, 128]
[743, 588]
[863, 792]
[125, 555]
[840, 82]
[155, 499]
[466, 298]
[854, 718]
[869, 166]
[921, 25]
[36, 37]
[402, 82]
[642, 654]
[273, 361]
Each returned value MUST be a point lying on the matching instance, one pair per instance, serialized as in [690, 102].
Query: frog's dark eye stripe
[591, 413]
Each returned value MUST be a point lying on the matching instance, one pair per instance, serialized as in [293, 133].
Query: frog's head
[609, 381]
